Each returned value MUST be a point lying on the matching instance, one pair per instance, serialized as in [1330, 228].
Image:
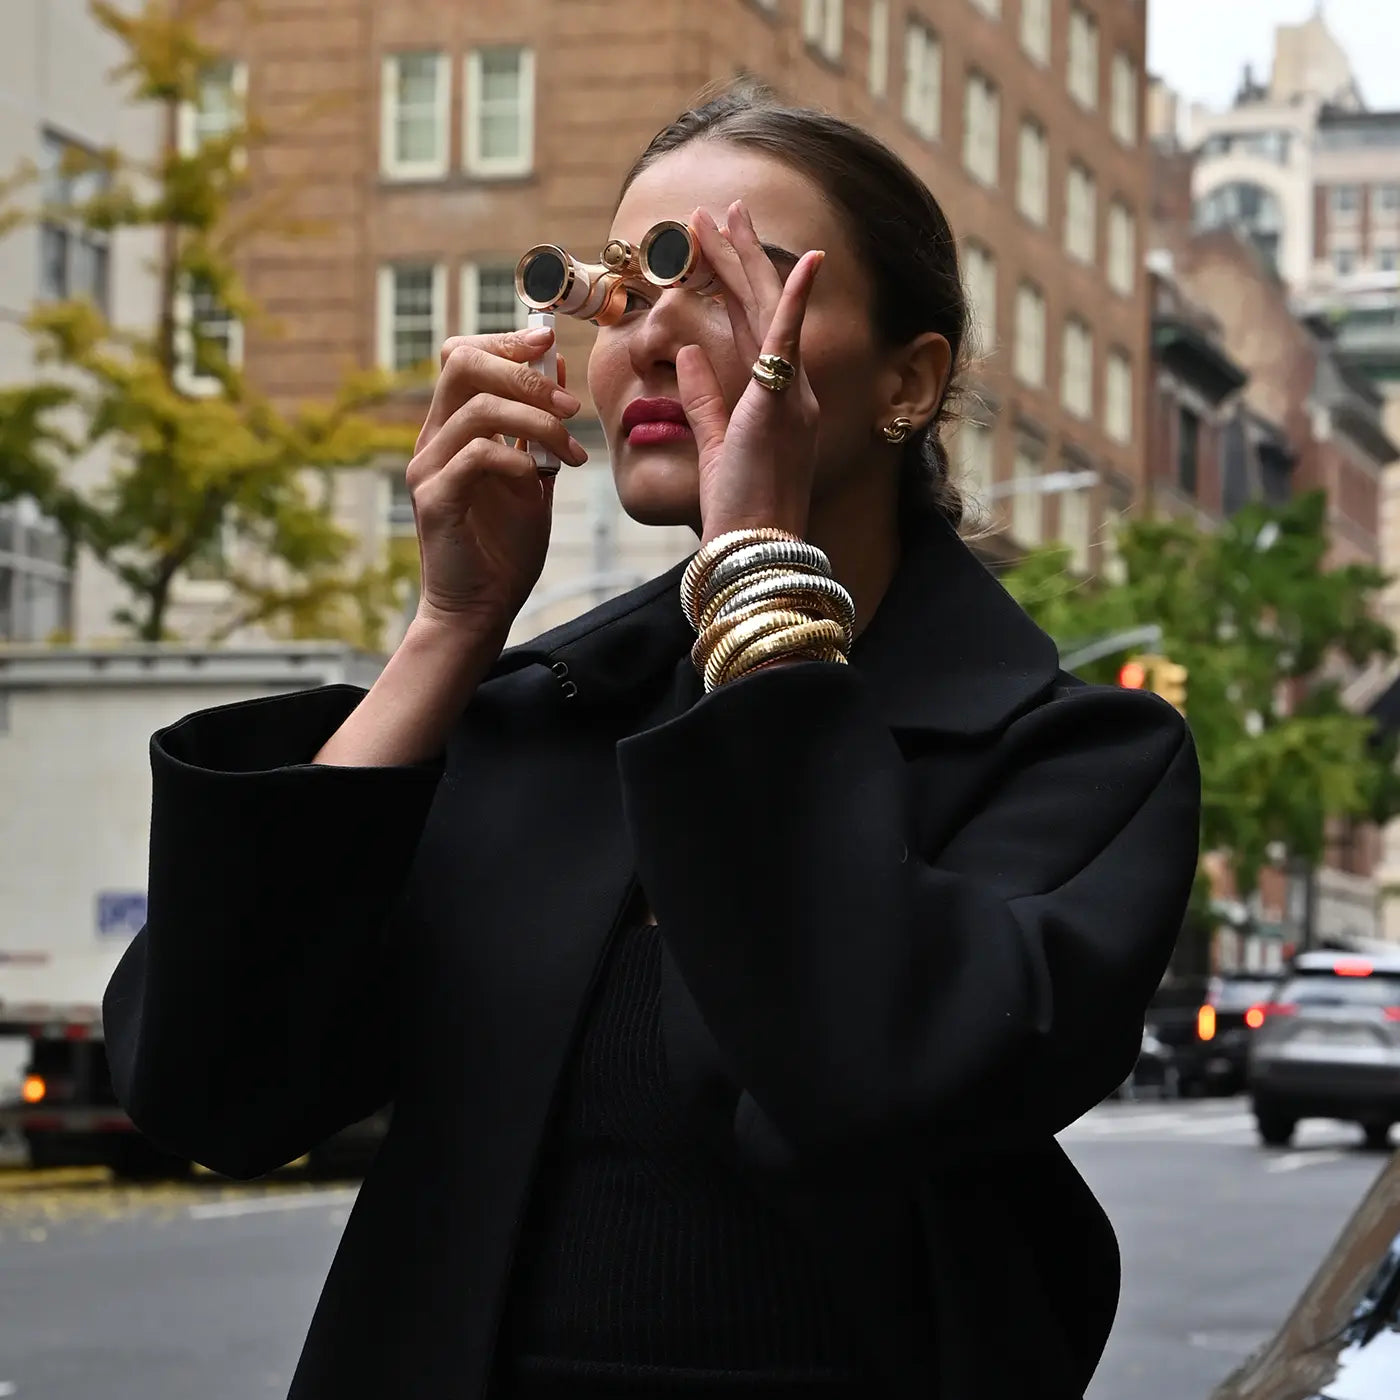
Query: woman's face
[657, 470]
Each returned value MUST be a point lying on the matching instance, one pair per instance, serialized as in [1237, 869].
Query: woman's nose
[675, 319]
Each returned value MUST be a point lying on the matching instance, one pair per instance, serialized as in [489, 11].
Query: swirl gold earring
[898, 431]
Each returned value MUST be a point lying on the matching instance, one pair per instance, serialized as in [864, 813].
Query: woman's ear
[917, 379]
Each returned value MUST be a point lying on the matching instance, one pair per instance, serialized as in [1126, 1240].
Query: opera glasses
[549, 279]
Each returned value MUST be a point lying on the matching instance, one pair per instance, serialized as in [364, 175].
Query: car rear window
[1326, 988]
[1240, 993]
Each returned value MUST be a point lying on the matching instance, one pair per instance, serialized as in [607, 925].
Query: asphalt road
[205, 1290]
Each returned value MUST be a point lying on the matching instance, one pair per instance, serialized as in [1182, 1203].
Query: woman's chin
[659, 487]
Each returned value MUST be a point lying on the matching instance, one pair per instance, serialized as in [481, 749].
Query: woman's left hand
[756, 463]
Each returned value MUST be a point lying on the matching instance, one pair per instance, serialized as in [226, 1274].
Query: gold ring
[774, 372]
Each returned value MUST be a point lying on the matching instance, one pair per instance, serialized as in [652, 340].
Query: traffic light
[1156, 673]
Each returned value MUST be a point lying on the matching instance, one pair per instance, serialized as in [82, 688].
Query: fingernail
[537, 336]
[578, 450]
[565, 403]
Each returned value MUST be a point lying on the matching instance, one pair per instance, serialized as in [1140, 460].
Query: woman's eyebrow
[779, 254]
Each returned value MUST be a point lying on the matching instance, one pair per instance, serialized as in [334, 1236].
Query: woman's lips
[650, 434]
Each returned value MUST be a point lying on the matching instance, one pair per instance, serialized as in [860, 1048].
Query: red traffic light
[1133, 675]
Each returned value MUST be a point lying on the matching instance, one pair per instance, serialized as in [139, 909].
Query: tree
[223, 474]
[1266, 631]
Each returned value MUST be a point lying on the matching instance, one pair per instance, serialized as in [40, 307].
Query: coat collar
[948, 649]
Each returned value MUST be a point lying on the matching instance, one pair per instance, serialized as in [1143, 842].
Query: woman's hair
[895, 225]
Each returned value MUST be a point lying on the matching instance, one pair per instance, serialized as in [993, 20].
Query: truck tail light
[34, 1089]
[1205, 1022]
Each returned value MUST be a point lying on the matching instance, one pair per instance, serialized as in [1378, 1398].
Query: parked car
[1342, 1339]
[1327, 1045]
[1155, 1072]
[1203, 1022]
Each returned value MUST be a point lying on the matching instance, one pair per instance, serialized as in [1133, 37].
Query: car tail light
[1391, 1013]
[1352, 967]
[34, 1089]
[1254, 1017]
[1257, 1015]
[1205, 1022]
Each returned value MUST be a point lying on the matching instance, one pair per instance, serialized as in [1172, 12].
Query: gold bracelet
[788, 643]
[737, 638]
[711, 609]
[834, 655]
[710, 554]
[713, 635]
[816, 594]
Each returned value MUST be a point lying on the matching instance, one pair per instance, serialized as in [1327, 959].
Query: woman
[726, 1033]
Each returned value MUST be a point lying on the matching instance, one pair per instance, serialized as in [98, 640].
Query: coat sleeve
[875, 997]
[252, 1017]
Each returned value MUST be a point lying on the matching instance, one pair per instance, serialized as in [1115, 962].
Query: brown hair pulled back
[897, 228]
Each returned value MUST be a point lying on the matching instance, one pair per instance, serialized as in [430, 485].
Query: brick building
[437, 141]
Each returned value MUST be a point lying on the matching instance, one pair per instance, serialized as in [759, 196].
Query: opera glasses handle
[549, 279]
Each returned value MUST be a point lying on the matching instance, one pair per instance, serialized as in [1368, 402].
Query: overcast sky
[1201, 46]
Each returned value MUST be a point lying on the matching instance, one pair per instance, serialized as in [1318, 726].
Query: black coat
[913, 910]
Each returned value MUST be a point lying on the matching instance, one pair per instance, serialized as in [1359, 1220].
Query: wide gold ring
[774, 372]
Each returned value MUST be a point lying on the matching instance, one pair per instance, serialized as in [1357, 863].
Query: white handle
[548, 365]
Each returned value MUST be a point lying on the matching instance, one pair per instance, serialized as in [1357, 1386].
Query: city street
[205, 1289]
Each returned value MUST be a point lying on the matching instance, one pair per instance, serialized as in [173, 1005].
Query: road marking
[222, 1210]
[8, 1388]
[1296, 1161]
[22, 1180]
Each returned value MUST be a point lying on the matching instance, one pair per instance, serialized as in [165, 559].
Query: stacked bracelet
[759, 597]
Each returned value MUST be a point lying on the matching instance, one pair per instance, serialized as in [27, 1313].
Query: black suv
[1202, 1021]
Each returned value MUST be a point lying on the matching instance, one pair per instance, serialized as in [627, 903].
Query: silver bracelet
[787, 584]
[787, 553]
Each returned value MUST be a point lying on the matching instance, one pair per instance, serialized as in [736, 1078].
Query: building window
[1084, 58]
[1033, 172]
[973, 454]
[1386, 198]
[1188, 447]
[1125, 99]
[1387, 259]
[500, 111]
[208, 339]
[74, 260]
[1344, 200]
[981, 128]
[1030, 335]
[399, 512]
[1248, 208]
[923, 80]
[1344, 261]
[1075, 529]
[879, 79]
[1077, 369]
[1122, 248]
[981, 278]
[221, 96]
[822, 22]
[412, 314]
[990, 8]
[489, 303]
[1118, 397]
[1081, 213]
[414, 99]
[1027, 500]
[1035, 30]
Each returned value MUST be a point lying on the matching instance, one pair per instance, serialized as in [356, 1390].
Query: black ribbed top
[646, 1266]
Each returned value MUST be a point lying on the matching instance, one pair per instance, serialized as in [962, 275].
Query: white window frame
[981, 127]
[1033, 174]
[1081, 212]
[1387, 253]
[980, 278]
[990, 8]
[1083, 62]
[390, 167]
[187, 137]
[1351, 255]
[1118, 396]
[1035, 31]
[1076, 505]
[1122, 248]
[500, 167]
[823, 26]
[923, 80]
[1027, 506]
[975, 448]
[1028, 353]
[878, 76]
[470, 294]
[183, 374]
[384, 316]
[1385, 197]
[1344, 212]
[1123, 115]
[1077, 368]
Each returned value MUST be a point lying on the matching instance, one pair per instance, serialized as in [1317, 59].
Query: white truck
[75, 800]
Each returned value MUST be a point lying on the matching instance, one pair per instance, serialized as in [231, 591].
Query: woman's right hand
[482, 509]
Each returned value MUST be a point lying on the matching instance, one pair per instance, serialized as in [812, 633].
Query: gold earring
[898, 431]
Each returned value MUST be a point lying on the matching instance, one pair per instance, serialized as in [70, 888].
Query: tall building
[55, 93]
[437, 141]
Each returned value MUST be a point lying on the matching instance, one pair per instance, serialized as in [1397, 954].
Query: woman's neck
[859, 531]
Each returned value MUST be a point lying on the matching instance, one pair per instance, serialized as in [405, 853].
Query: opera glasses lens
[549, 279]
